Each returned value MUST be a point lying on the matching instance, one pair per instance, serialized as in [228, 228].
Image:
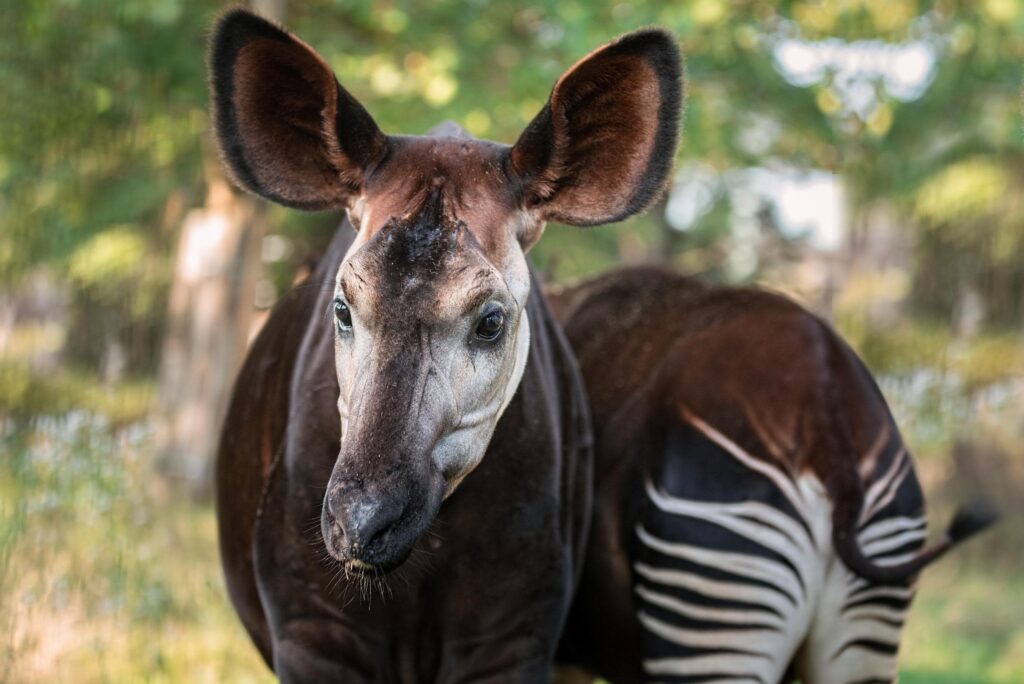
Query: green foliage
[962, 191]
[26, 393]
[899, 349]
[117, 285]
[102, 136]
[114, 262]
[102, 120]
[106, 119]
[971, 215]
[110, 257]
[965, 628]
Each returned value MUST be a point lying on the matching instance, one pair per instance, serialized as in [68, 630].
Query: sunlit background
[864, 156]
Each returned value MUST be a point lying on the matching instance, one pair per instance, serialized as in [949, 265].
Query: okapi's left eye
[342, 314]
[490, 326]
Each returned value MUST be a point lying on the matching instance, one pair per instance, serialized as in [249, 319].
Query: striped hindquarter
[735, 576]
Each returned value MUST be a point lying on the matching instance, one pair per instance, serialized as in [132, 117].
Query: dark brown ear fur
[602, 147]
[286, 128]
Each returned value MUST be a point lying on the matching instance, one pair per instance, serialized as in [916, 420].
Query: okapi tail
[968, 521]
[846, 489]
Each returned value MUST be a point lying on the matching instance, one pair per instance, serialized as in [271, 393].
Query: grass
[104, 575]
[965, 627]
[107, 576]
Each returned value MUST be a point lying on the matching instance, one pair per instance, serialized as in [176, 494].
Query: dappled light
[864, 157]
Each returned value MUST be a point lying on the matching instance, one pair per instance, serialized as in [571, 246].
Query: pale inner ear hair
[355, 212]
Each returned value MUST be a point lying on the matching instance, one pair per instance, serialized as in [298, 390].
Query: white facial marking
[463, 382]
[459, 452]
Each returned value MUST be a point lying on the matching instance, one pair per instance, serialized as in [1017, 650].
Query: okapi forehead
[468, 176]
[427, 241]
[426, 265]
[415, 251]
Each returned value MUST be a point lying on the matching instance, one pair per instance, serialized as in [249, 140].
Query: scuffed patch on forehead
[468, 178]
[424, 264]
[412, 252]
[426, 241]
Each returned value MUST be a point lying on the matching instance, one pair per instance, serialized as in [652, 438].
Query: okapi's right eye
[342, 314]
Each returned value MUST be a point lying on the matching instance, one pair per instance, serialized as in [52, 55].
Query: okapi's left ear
[602, 147]
[286, 128]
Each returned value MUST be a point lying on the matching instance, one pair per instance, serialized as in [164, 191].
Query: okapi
[414, 408]
[757, 517]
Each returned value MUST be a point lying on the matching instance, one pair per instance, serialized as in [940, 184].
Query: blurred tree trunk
[209, 315]
[209, 320]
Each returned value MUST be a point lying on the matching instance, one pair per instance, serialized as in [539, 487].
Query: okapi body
[757, 517]
[410, 421]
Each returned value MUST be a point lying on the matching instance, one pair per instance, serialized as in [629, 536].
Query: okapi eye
[490, 326]
[343, 314]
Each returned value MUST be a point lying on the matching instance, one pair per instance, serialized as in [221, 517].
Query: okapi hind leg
[855, 640]
[725, 566]
[855, 635]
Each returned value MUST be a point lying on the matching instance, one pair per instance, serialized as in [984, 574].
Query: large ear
[602, 147]
[286, 128]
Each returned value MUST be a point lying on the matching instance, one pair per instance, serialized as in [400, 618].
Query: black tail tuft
[971, 519]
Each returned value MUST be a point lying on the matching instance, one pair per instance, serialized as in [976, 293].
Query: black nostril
[368, 524]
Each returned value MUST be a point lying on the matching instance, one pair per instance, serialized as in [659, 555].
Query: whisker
[323, 286]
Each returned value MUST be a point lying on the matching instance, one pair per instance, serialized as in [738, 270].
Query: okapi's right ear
[286, 128]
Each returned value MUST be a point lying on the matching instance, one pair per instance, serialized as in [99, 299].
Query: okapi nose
[366, 525]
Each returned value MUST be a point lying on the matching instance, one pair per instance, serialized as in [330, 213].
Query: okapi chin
[413, 408]
[757, 517]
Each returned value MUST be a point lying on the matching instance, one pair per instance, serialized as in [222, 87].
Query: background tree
[131, 274]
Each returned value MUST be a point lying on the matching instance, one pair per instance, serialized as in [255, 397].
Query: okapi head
[430, 333]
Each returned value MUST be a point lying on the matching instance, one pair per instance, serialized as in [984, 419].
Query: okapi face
[430, 332]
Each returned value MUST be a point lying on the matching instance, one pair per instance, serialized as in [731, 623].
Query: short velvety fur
[662, 355]
[306, 515]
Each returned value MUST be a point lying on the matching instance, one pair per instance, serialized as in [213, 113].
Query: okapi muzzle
[378, 503]
[385, 489]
